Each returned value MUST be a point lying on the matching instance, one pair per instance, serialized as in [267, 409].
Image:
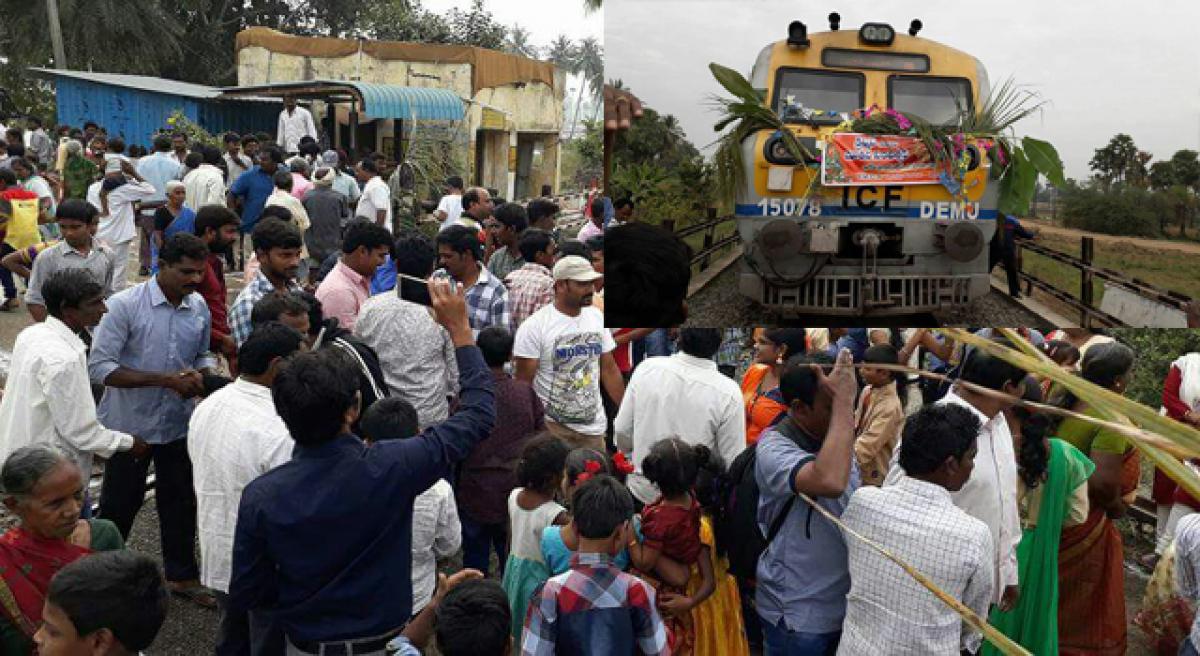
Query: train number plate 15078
[790, 206]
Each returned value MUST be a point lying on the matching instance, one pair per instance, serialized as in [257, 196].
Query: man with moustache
[151, 353]
[565, 352]
[217, 226]
[278, 246]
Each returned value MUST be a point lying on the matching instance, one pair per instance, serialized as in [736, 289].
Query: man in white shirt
[235, 436]
[436, 529]
[565, 352]
[48, 396]
[990, 495]
[117, 228]
[205, 185]
[450, 207]
[294, 124]
[887, 610]
[375, 204]
[706, 407]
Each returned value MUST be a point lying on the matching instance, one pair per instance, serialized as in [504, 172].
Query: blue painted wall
[136, 115]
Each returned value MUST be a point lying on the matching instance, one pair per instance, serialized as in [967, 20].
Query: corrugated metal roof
[378, 100]
[142, 82]
[145, 83]
[390, 101]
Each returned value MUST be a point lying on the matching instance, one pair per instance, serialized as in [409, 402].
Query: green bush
[1123, 210]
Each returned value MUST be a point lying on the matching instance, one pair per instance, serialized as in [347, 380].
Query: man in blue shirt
[158, 169]
[151, 352]
[253, 188]
[323, 543]
[803, 574]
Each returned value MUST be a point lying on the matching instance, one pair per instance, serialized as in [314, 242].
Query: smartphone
[414, 291]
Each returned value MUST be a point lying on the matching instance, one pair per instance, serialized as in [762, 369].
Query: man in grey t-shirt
[328, 212]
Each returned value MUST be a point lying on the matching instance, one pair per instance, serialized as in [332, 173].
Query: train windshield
[823, 90]
[935, 99]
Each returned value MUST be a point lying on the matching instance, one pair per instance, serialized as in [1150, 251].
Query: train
[864, 245]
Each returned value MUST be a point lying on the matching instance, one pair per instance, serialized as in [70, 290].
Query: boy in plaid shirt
[594, 607]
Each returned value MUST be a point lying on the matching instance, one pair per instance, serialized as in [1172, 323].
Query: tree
[517, 43]
[563, 53]
[590, 61]
[1186, 166]
[1162, 175]
[1119, 162]
[476, 27]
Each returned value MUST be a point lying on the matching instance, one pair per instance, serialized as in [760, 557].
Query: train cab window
[935, 99]
[823, 90]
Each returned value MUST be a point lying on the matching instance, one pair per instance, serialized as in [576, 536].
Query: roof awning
[377, 101]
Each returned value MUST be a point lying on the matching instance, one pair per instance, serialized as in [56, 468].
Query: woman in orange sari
[44, 489]
[760, 384]
[1091, 608]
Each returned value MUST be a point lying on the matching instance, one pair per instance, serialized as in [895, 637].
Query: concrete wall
[529, 108]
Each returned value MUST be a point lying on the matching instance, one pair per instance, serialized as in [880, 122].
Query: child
[671, 526]
[436, 531]
[879, 417]
[718, 621]
[559, 543]
[532, 508]
[468, 614]
[106, 603]
[595, 608]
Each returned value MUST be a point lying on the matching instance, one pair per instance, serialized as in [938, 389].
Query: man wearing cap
[344, 183]
[294, 123]
[117, 228]
[328, 212]
[565, 352]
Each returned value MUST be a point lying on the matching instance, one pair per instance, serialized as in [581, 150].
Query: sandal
[197, 594]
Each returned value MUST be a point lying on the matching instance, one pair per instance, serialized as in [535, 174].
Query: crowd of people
[377, 399]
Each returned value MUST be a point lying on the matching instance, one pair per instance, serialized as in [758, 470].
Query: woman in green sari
[1053, 491]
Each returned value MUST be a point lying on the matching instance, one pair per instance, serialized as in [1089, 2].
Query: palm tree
[591, 5]
[590, 58]
[517, 43]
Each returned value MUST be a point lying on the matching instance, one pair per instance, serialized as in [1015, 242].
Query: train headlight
[877, 34]
[797, 35]
[963, 241]
[776, 152]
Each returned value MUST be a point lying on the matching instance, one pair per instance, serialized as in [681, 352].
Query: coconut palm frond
[1110, 405]
[1003, 107]
[749, 114]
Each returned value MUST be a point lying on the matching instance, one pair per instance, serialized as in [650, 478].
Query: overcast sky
[1105, 66]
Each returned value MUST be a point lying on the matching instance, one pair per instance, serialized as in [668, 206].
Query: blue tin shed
[137, 106]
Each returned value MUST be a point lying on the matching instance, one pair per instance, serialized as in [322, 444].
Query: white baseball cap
[573, 267]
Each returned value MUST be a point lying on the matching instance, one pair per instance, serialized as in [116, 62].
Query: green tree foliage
[1120, 162]
[583, 158]
[517, 43]
[654, 139]
[1123, 210]
[193, 40]
[1156, 349]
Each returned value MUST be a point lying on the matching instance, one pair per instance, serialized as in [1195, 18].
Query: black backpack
[736, 529]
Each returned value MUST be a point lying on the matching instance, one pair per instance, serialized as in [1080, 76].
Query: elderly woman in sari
[1091, 609]
[43, 487]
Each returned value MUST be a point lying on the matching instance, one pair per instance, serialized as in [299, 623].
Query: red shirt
[624, 352]
[212, 288]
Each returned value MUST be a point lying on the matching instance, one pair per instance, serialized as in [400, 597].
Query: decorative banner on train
[853, 159]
